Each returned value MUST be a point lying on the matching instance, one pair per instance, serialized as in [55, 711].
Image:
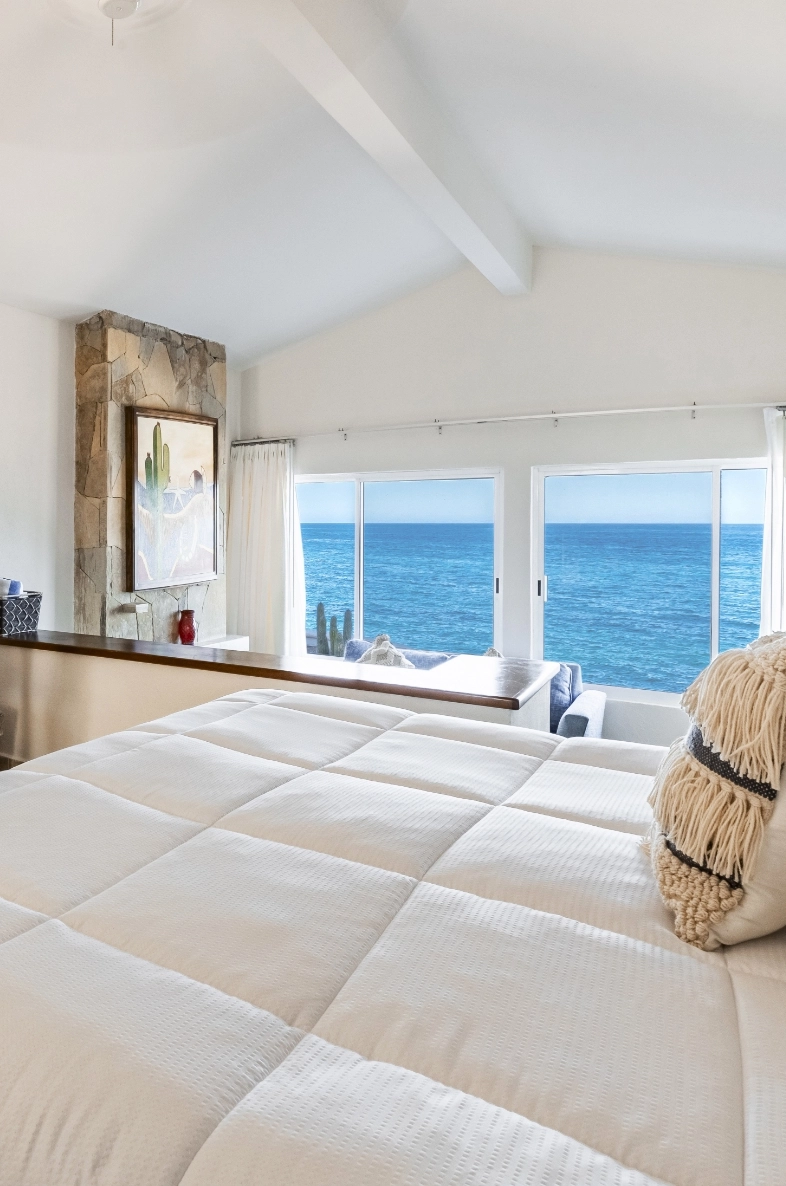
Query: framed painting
[171, 479]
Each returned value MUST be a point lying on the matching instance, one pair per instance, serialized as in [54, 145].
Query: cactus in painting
[157, 467]
[156, 481]
[347, 627]
[322, 638]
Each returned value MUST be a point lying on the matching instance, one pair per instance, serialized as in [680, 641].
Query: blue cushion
[584, 718]
[561, 698]
[355, 648]
[425, 660]
[578, 683]
[565, 687]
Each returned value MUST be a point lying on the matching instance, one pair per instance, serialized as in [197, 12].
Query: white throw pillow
[384, 653]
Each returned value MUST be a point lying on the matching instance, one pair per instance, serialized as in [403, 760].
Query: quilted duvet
[284, 939]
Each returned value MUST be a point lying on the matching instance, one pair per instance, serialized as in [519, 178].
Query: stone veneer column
[121, 361]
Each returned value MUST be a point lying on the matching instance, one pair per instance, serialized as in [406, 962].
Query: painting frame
[133, 416]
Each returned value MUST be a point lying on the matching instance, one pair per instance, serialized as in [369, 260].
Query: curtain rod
[440, 424]
[266, 441]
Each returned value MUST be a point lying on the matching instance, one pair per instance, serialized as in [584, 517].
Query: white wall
[234, 385]
[596, 332]
[37, 466]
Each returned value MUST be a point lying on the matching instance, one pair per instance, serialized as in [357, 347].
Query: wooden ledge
[467, 679]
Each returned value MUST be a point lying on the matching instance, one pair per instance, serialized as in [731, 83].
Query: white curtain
[266, 587]
[773, 611]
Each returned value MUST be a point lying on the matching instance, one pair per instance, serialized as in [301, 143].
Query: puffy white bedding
[285, 939]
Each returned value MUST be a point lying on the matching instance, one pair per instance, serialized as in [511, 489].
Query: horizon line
[548, 523]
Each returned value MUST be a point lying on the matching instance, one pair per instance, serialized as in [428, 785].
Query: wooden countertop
[468, 679]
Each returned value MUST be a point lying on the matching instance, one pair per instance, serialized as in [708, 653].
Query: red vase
[186, 627]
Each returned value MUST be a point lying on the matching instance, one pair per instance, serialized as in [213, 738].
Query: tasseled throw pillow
[718, 844]
[383, 652]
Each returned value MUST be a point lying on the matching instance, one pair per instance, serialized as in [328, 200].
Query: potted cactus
[331, 640]
[323, 647]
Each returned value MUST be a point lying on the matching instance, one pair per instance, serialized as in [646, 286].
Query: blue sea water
[428, 585]
[629, 602]
[740, 584]
[329, 556]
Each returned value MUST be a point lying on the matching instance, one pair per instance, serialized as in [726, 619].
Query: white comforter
[285, 939]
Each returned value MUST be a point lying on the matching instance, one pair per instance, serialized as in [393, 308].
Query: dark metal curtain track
[266, 441]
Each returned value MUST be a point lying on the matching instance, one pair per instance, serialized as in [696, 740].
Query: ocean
[629, 602]
[430, 586]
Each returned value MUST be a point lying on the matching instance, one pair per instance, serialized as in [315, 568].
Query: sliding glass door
[741, 520]
[643, 577]
[414, 557]
[327, 524]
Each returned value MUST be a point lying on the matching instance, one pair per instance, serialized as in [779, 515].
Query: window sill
[638, 695]
[641, 715]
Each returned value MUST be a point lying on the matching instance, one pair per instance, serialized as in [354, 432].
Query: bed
[290, 938]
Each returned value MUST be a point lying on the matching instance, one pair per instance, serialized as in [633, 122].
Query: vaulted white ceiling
[222, 171]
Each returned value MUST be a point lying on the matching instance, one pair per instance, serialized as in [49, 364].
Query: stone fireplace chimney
[123, 362]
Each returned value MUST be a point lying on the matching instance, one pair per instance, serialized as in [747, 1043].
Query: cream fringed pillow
[718, 843]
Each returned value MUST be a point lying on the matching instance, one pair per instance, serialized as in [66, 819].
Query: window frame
[363, 477]
[713, 466]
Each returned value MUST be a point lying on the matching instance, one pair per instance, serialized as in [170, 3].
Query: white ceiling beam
[345, 59]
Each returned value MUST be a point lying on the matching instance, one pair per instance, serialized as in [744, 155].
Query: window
[327, 524]
[645, 576]
[409, 557]
[741, 538]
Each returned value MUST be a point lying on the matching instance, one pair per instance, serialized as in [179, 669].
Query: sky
[585, 498]
[445, 500]
[654, 498]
